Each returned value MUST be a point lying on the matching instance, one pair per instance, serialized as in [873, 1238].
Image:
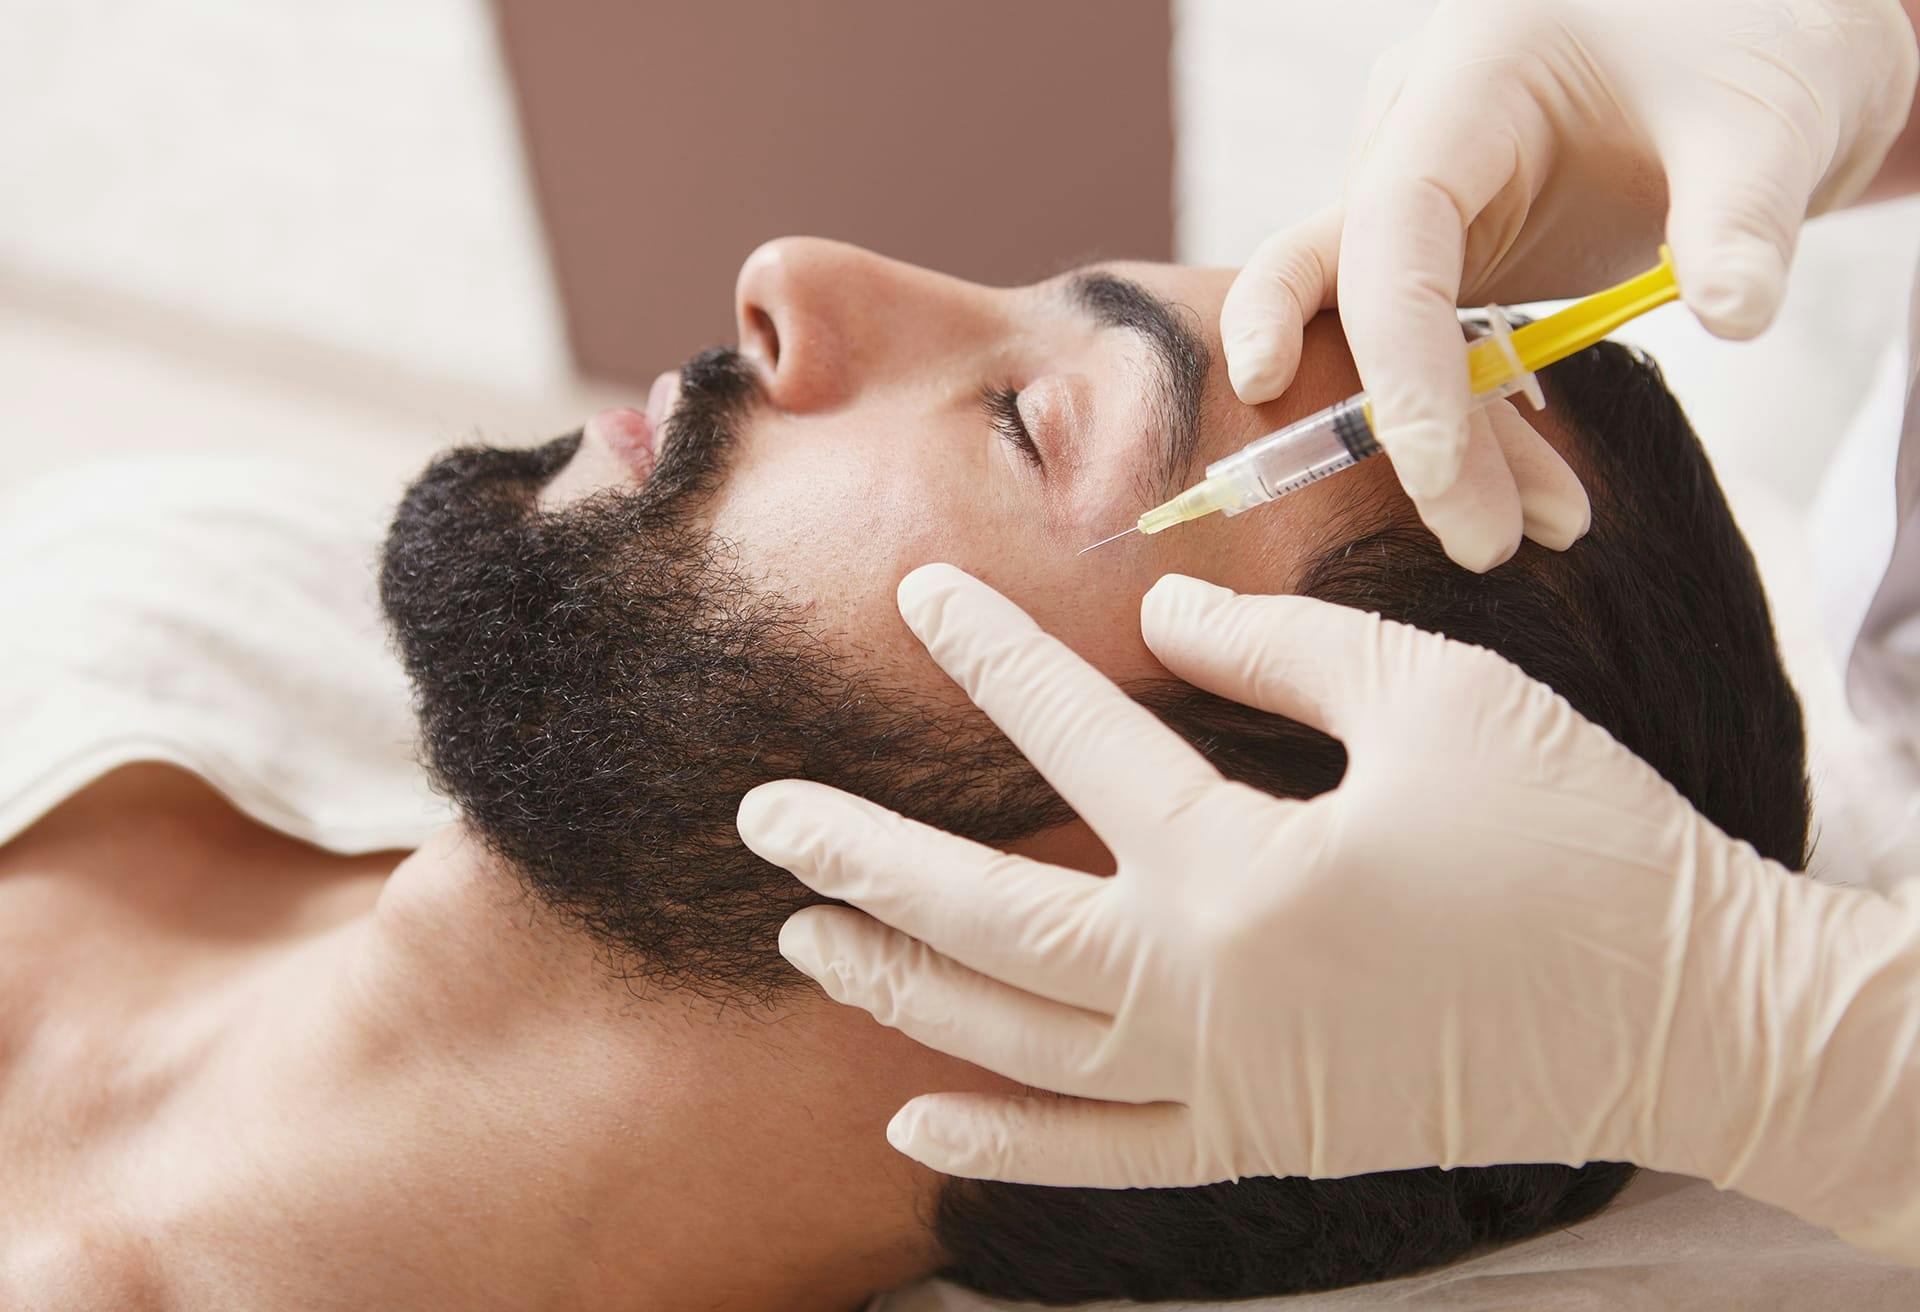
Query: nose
[823, 319]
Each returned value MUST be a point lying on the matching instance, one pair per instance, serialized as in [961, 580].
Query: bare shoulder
[137, 805]
[150, 855]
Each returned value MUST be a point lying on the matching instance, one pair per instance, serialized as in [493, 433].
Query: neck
[508, 1126]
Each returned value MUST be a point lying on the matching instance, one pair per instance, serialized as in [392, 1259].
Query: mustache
[484, 489]
[719, 392]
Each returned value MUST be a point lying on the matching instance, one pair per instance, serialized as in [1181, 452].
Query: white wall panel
[346, 174]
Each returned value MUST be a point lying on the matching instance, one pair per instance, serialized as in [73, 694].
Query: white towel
[218, 614]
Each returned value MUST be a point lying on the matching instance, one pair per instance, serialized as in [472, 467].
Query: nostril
[766, 337]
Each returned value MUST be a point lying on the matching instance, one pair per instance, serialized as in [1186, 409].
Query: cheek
[835, 517]
[827, 518]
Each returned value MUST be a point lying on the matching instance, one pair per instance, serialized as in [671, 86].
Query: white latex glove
[1503, 938]
[1521, 149]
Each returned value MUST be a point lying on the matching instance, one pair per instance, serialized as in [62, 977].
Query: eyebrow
[1181, 354]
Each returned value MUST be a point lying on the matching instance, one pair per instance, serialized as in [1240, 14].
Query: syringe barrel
[1303, 452]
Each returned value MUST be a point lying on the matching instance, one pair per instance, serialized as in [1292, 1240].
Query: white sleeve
[1866, 530]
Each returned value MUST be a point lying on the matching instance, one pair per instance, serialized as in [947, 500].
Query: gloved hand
[1503, 938]
[1521, 149]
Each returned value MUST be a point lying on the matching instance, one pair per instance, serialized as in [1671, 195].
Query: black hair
[1654, 626]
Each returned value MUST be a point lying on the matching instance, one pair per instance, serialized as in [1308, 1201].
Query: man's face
[883, 438]
[611, 641]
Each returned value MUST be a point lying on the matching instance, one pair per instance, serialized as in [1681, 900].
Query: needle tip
[1103, 541]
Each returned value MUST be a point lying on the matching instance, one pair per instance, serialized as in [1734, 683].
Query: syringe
[1341, 436]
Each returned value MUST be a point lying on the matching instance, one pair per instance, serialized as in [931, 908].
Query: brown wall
[996, 139]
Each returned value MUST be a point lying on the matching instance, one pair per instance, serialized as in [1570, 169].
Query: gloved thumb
[1733, 220]
[1331, 667]
[1053, 1141]
[1306, 659]
[1289, 280]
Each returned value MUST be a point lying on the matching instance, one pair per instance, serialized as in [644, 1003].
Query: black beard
[597, 686]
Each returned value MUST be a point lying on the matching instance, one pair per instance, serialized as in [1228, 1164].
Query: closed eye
[1002, 405]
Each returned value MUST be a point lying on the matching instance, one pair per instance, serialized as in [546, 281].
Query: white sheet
[216, 613]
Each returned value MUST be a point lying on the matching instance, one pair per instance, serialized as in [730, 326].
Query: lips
[629, 435]
[660, 398]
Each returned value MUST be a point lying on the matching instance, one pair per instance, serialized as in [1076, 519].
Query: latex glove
[1503, 938]
[1521, 149]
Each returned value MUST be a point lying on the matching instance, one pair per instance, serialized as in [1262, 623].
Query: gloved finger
[1734, 218]
[1554, 510]
[1019, 920]
[1345, 672]
[940, 1004]
[1289, 280]
[1478, 520]
[1111, 758]
[1053, 1141]
[1384, 80]
[1293, 274]
[1428, 174]
[1398, 312]
[1293, 656]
